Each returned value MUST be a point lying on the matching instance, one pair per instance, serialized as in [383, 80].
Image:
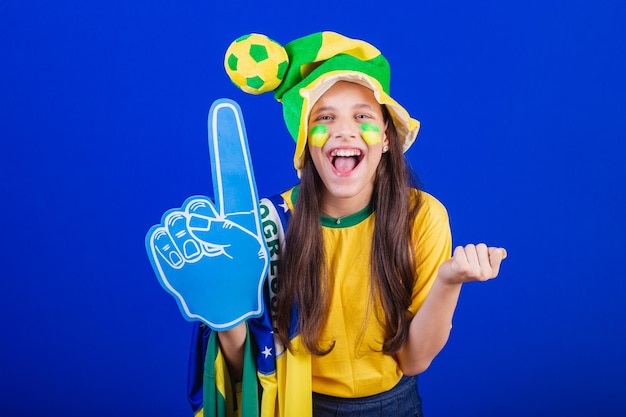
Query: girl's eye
[362, 116]
[324, 117]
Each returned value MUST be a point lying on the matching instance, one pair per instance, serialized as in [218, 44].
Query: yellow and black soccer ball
[256, 63]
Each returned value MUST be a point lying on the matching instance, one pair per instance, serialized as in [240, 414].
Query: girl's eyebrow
[323, 109]
[331, 108]
[363, 106]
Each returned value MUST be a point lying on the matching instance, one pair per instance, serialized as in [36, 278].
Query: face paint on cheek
[371, 133]
[318, 135]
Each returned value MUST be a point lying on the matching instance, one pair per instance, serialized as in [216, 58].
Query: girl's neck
[341, 207]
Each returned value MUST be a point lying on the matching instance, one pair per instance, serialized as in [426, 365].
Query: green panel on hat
[300, 52]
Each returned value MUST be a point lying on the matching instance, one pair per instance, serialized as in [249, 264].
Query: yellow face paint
[318, 135]
[371, 133]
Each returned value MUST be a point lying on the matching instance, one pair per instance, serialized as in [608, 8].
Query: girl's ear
[385, 139]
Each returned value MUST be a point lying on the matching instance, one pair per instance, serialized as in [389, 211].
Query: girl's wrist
[448, 283]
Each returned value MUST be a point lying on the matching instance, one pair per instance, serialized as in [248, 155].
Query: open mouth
[345, 160]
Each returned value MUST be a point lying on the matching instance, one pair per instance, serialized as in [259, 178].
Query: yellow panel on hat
[334, 43]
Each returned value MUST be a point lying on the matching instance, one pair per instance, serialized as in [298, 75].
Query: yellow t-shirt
[356, 366]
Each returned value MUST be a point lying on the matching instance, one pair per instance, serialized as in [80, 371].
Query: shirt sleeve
[433, 246]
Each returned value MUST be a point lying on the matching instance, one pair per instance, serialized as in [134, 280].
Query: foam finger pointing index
[231, 166]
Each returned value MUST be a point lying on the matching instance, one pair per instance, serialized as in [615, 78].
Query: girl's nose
[345, 129]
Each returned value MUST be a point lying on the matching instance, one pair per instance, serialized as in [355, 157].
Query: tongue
[345, 163]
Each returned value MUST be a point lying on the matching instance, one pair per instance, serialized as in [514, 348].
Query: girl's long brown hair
[303, 281]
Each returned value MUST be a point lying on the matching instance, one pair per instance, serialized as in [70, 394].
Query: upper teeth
[345, 152]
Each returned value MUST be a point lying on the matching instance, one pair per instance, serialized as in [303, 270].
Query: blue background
[103, 128]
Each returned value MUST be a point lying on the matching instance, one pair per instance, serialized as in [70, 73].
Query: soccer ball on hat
[256, 63]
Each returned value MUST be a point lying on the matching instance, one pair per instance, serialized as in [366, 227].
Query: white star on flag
[267, 352]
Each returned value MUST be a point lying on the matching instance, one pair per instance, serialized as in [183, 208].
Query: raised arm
[430, 327]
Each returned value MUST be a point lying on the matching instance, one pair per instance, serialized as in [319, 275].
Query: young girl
[366, 285]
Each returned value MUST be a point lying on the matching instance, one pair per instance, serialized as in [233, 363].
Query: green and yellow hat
[304, 69]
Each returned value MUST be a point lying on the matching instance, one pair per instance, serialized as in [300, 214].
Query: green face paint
[371, 133]
[318, 135]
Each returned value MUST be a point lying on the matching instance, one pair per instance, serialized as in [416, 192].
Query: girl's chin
[342, 190]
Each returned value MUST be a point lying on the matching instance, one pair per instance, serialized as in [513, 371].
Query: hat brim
[406, 126]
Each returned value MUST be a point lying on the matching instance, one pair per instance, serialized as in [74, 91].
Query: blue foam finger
[231, 166]
[211, 255]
